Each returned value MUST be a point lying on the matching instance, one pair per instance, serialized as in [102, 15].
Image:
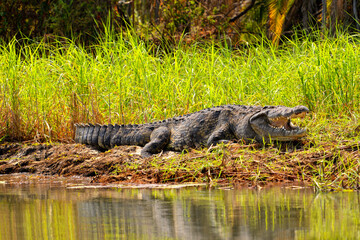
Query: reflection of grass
[46, 88]
[276, 213]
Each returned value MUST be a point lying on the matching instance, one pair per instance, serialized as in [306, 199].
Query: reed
[47, 87]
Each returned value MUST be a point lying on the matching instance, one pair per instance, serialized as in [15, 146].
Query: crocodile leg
[221, 135]
[159, 138]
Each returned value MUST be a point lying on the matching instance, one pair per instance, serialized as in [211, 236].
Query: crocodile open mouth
[277, 125]
[285, 122]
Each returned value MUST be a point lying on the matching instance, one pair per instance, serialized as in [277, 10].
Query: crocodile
[199, 129]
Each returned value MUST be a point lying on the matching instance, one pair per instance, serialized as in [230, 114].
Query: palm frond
[277, 13]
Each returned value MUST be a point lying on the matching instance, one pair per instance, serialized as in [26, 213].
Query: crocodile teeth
[292, 125]
[285, 123]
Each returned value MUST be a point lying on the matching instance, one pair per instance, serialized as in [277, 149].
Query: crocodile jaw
[273, 125]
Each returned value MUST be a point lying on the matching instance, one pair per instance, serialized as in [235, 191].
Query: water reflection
[54, 212]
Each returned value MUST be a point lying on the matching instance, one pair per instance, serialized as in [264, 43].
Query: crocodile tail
[81, 132]
[95, 135]
[108, 136]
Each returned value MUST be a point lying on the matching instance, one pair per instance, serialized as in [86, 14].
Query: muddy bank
[234, 164]
[71, 160]
[62, 159]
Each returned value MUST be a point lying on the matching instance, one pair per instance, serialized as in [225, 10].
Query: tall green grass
[46, 88]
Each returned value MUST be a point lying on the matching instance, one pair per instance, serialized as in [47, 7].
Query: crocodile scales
[203, 128]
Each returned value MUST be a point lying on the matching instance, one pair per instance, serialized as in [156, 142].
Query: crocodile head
[274, 123]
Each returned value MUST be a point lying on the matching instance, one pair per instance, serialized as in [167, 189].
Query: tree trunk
[323, 15]
[356, 15]
[302, 13]
[337, 14]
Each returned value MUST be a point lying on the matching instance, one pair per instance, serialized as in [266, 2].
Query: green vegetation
[46, 88]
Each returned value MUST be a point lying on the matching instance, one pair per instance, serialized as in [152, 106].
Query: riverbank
[326, 166]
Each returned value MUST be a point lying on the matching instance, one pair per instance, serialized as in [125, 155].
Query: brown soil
[233, 164]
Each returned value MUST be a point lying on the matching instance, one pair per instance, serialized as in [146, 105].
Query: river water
[68, 211]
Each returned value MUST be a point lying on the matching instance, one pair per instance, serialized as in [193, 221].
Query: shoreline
[234, 164]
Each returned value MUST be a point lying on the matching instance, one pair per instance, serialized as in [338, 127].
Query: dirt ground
[62, 159]
[233, 164]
